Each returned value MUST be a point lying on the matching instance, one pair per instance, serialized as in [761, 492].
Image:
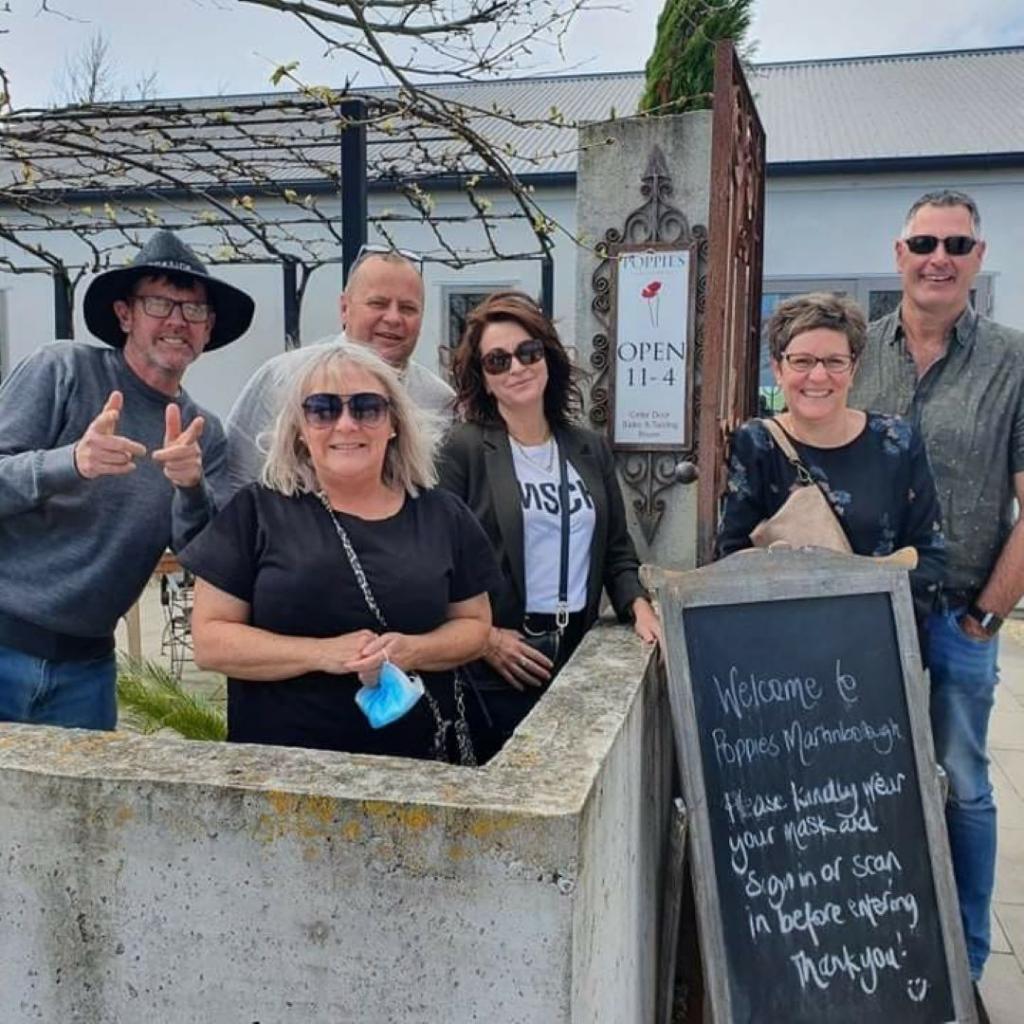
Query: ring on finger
[522, 662]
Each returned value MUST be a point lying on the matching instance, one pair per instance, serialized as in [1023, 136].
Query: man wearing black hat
[104, 462]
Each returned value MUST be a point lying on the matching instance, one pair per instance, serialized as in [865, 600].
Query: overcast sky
[199, 47]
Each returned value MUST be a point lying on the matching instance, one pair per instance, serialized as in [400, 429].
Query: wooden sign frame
[753, 577]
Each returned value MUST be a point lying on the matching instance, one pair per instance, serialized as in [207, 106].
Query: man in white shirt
[381, 306]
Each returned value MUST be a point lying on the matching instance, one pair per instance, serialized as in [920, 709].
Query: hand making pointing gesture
[101, 452]
[181, 456]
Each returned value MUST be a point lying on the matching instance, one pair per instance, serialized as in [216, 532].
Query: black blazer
[476, 463]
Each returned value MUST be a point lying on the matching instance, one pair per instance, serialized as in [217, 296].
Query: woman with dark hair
[545, 491]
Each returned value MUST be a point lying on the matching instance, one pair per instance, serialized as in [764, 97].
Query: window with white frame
[877, 295]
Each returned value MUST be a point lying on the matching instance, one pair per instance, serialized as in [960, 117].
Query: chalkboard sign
[818, 844]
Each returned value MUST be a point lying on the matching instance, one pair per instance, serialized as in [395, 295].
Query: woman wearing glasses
[872, 468]
[343, 557]
[545, 491]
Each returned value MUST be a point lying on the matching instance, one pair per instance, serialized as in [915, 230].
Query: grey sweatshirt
[75, 554]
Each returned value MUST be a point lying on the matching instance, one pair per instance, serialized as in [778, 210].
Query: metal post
[353, 182]
[292, 338]
[63, 299]
[547, 285]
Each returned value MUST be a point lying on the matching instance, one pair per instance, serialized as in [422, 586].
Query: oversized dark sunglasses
[499, 361]
[365, 407]
[955, 245]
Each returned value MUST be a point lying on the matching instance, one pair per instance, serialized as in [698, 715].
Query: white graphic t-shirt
[536, 469]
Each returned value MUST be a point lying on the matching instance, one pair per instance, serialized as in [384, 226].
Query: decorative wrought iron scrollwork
[648, 475]
[656, 219]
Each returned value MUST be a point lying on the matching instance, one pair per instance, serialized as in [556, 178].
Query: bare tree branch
[258, 178]
[88, 75]
[91, 75]
[479, 13]
[448, 38]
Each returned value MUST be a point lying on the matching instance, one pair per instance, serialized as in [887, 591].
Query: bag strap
[463, 737]
[803, 474]
[562, 608]
[783, 443]
[353, 560]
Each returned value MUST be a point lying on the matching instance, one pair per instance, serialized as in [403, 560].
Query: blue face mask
[394, 696]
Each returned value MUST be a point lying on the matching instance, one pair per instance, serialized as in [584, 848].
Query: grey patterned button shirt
[969, 407]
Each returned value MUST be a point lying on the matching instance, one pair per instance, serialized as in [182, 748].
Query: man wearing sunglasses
[382, 307]
[960, 377]
[104, 462]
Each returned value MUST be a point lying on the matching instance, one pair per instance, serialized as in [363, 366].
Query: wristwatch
[989, 621]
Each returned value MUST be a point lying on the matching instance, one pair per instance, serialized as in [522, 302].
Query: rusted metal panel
[733, 322]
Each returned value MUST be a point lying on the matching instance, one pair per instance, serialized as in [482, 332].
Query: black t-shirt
[283, 557]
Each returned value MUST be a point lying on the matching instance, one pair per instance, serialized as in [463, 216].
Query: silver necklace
[548, 456]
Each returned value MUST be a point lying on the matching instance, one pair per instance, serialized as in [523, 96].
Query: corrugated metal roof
[898, 106]
[545, 147]
[935, 105]
[901, 106]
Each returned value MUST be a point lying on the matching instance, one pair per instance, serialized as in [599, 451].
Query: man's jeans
[963, 680]
[77, 694]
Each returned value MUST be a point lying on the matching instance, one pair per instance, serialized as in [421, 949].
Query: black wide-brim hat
[165, 253]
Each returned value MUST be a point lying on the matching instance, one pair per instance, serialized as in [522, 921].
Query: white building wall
[844, 227]
[815, 227]
[218, 377]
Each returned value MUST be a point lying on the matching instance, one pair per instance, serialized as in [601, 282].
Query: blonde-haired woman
[342, 557]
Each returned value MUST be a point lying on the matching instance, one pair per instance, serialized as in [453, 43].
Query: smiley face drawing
[917, 989]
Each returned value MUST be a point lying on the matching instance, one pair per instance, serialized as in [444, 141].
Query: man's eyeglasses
[324, 409]
[374, 249]
[160, 308]
[499, 361]
[803, 362]
[955, 245]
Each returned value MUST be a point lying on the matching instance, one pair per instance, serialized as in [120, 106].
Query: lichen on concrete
[305, 886]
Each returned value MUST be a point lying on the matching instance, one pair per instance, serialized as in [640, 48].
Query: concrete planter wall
[152, 879]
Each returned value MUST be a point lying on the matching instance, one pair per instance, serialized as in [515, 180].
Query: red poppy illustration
[651, 292]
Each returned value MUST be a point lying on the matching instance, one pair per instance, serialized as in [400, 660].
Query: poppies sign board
[652, 318]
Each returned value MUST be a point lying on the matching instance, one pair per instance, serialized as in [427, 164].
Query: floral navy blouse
[880, 484]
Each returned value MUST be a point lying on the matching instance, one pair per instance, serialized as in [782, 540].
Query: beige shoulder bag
[807, 519]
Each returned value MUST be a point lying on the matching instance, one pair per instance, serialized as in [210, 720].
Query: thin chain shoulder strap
[353, 561]
[463, 738]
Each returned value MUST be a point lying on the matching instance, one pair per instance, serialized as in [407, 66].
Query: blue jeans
[76, 694]
[963, 681]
